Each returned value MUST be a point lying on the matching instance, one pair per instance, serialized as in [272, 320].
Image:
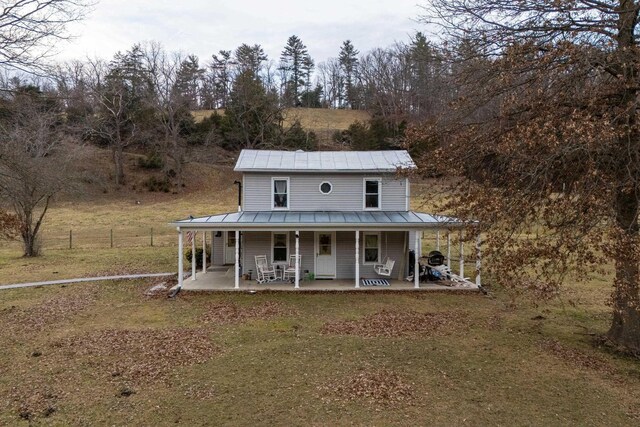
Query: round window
[325, 188]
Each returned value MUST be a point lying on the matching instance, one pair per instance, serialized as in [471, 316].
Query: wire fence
[104, 238]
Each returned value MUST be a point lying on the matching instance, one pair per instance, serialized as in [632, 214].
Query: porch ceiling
[305, 220]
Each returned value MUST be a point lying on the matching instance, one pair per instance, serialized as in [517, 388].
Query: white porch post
[237, 266]
[461, 256]
[204, 252]
[180, 262]
[449, 250]
[438, 240]
[193, 254]
[478, 260]
[212, 237]
[357, 259]
[416, 263]
[297, 282]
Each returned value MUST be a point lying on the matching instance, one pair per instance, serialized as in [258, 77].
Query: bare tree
[547, 133]
[32, 168]
[170, 104]
[30, 29]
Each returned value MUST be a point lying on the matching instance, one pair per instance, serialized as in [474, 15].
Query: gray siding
[393, 245]
[305, 195]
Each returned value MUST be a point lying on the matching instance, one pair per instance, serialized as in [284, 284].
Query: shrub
[160, 185]
[150, 162]
[198, 256]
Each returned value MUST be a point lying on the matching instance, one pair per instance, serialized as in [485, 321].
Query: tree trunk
[625, 327]
[118, 163]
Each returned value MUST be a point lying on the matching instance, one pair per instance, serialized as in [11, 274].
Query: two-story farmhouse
[342, 214]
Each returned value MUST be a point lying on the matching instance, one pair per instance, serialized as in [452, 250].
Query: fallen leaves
[373, 385]
[225, 313]
[392, 324]
[51, 310]
[141, 356]
[32, 400]
[576, 357]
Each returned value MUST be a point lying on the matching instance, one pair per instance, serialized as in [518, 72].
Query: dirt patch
[576, 357]
[51, 310]
[140, 356]
[375, 385]
[226, 313]
[398, 324]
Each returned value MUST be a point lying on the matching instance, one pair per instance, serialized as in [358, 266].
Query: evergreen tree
[297, 65]
[188, 81]
[253, 115]
[250, 58]
[220, 77]
[348, 59]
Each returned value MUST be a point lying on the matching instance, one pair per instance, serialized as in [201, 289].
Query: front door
[325, 255]
[230, 247]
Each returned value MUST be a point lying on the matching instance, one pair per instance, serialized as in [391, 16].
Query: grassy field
[105, 353]
[323, 121]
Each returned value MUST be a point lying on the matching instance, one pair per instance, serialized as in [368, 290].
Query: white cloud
[205, 27]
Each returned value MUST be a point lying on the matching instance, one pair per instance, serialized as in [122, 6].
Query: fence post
[111, 237]
[151, 236]
[70, 239]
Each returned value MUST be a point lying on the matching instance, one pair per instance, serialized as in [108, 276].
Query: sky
[204, 27]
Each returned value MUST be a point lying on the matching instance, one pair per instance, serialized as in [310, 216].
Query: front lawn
[107, 354]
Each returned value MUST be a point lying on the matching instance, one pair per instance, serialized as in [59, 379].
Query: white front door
[325, 254]
[229, 247]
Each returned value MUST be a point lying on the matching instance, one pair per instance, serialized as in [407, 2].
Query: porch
[223, 280]
[311, 238]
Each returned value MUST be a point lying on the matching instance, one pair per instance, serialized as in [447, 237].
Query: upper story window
[326, 187]
[280, 193]
[372, 193]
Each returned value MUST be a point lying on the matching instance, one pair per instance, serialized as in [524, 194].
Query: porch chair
[265, 273]
[289, 272]
[386, 268]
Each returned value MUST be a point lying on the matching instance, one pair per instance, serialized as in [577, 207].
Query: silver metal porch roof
[401, 220]
[323, 161]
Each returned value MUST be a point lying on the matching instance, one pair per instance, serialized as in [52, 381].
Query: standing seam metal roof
[344, 161]
[310, 218]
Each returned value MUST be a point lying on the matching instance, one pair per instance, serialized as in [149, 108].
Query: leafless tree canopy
[30, 28]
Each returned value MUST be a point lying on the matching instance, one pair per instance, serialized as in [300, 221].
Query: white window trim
[364, 194]
[272, 190]
[320, 188]
[363, 244]
[273, 233]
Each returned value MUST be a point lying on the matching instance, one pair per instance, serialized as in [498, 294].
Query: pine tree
[348, 59]
[297, 65]
[220, 77]
[250, 57]
[188, 81]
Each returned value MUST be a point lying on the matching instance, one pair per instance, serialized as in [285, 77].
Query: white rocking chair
[265, 273]
[290, 270]
[386, 268]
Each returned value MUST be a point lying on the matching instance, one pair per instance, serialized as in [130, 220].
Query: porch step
[218, 268]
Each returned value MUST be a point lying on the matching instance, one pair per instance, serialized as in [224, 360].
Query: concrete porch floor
[220, 280]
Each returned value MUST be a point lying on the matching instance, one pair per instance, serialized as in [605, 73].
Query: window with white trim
[372, 191]
[326, 187]
[371, 248]
[280, 193]
[280, 247]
